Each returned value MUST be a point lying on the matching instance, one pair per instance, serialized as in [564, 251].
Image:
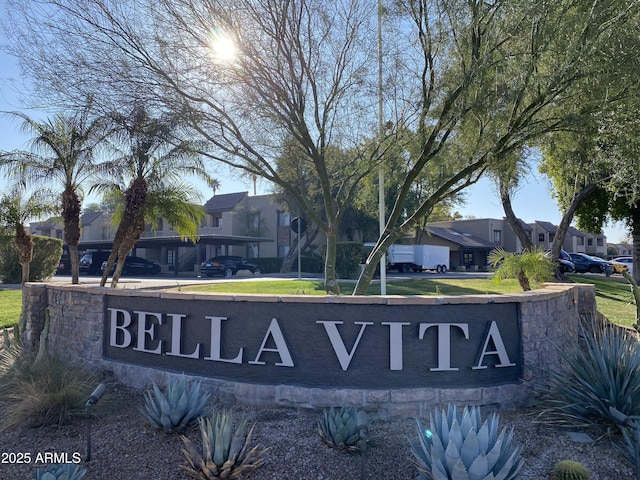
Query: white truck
[418, 258]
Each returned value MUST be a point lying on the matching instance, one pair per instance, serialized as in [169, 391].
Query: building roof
[224, 202]
[548, 226]
[463, 239]
[89, 218]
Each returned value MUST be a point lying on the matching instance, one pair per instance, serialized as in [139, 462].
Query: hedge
[46, 257]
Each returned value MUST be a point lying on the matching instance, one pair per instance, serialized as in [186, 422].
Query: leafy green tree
[514, 71]
[148, 180]
[574, 156]
[61, 156]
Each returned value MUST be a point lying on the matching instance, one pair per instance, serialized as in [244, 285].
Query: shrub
[225, 451]
[458, 445]
[267, 264]
[40, 391]
[46, 257]
[603, 372]
[344, 429]
[348, 257]
[181, 405]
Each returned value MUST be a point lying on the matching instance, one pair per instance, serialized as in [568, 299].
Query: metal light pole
[381, 212]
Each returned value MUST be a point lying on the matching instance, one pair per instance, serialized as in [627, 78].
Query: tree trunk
[635, 236]
[565, 222]
[369, 270]
[513, 221]
[71, 208]
[330, 284]
[135, 198]
[126, 246]
[635, 291]
[24, 242]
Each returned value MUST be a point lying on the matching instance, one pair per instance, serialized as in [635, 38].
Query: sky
[531, 202]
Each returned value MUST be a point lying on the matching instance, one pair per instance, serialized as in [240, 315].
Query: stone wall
[549, 318]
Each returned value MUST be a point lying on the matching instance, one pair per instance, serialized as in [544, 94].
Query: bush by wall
[273, 264]
[348, 256]
[46, 256]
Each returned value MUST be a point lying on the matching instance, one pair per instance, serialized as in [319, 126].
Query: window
[497, 236]
[254, 222]
[541, 238]
[58, 233]
[217, 220]
[468, 258]
[284, 219]
[589, 242]
[599, 242]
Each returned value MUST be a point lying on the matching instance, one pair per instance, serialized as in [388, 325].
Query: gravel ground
[123, 447]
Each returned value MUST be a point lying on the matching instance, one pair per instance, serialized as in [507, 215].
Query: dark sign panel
[319, 344]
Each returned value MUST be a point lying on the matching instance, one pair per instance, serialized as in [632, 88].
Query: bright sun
[223, 49]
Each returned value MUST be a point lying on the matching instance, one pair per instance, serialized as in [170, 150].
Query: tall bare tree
[301, 71]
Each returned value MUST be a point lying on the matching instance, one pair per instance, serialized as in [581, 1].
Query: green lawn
[10, 305]
[409, 287]
[613, 298]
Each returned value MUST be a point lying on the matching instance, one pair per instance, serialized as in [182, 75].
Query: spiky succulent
[458, 446]
[181, 405]
[225, 451]
[570, 470]
[345, 428]
[57, 471]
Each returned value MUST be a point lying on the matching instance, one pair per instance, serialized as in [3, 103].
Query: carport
[175, 242]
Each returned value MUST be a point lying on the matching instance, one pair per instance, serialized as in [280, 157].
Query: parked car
[628, 261]
[618, 267]
[585, 263]
[566, 265]
[64, 265]
[91, 262]
[136, 266]
[227, 266]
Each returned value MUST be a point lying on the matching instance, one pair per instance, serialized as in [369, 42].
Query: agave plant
[345, 428]
[460, 447]
[181, 405]
[56, 471]
[225, 451]
[602, 372]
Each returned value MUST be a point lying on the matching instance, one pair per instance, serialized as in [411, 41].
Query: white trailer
[418, 258]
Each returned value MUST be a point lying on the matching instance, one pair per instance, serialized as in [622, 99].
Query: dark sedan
[136, 266]
[226, 266]
[585, 263]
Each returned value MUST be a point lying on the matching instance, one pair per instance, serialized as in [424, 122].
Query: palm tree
[15, 211]
[148, 180]
[62, 154]
[529, 265]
